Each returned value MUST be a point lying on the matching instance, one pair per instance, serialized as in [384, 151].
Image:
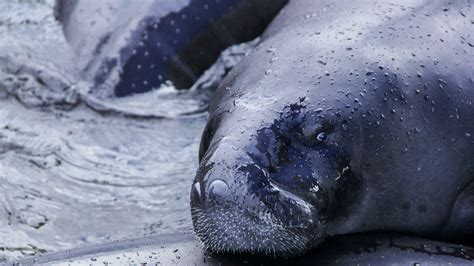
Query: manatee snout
[238, 207]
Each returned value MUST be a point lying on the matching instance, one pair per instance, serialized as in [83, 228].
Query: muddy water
[77, 168]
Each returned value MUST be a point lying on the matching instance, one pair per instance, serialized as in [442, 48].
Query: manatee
[348, 117]
[132, 48]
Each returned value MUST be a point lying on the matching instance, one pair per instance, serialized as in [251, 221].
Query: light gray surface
[76, 169]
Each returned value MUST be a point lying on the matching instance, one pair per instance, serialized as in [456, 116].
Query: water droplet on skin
[315, 188]
[442, 81]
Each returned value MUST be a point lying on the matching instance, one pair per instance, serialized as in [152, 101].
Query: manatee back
[136, 47]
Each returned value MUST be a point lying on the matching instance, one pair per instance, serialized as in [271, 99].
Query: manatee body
[185, 249]
[131, 47]
[350, 116]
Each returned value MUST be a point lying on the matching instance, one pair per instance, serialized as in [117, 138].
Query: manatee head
[270, 178]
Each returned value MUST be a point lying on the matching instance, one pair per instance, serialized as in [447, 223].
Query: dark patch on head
[422, 208]
[406, 206]
[291, 159]
[348, 193]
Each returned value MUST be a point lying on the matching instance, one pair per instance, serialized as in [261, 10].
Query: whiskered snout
[236, 208]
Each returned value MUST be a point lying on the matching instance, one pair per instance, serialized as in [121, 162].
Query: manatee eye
[321, 136]
[311, 131]
[315, 132]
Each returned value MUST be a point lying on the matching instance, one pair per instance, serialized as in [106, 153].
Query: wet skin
[135, 48]
[349, 117]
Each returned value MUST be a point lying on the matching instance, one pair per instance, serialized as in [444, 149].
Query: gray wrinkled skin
[351, 116]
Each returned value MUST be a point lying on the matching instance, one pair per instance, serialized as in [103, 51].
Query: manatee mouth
[273, 222]
[224, 231]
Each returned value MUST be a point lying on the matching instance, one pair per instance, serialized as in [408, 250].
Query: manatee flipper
[461, 222]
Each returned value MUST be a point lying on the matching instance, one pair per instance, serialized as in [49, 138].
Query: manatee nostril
[218, 189]
[196, 195]
[197, 189]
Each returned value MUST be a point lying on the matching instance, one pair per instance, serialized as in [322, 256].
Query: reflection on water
[78, 169]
